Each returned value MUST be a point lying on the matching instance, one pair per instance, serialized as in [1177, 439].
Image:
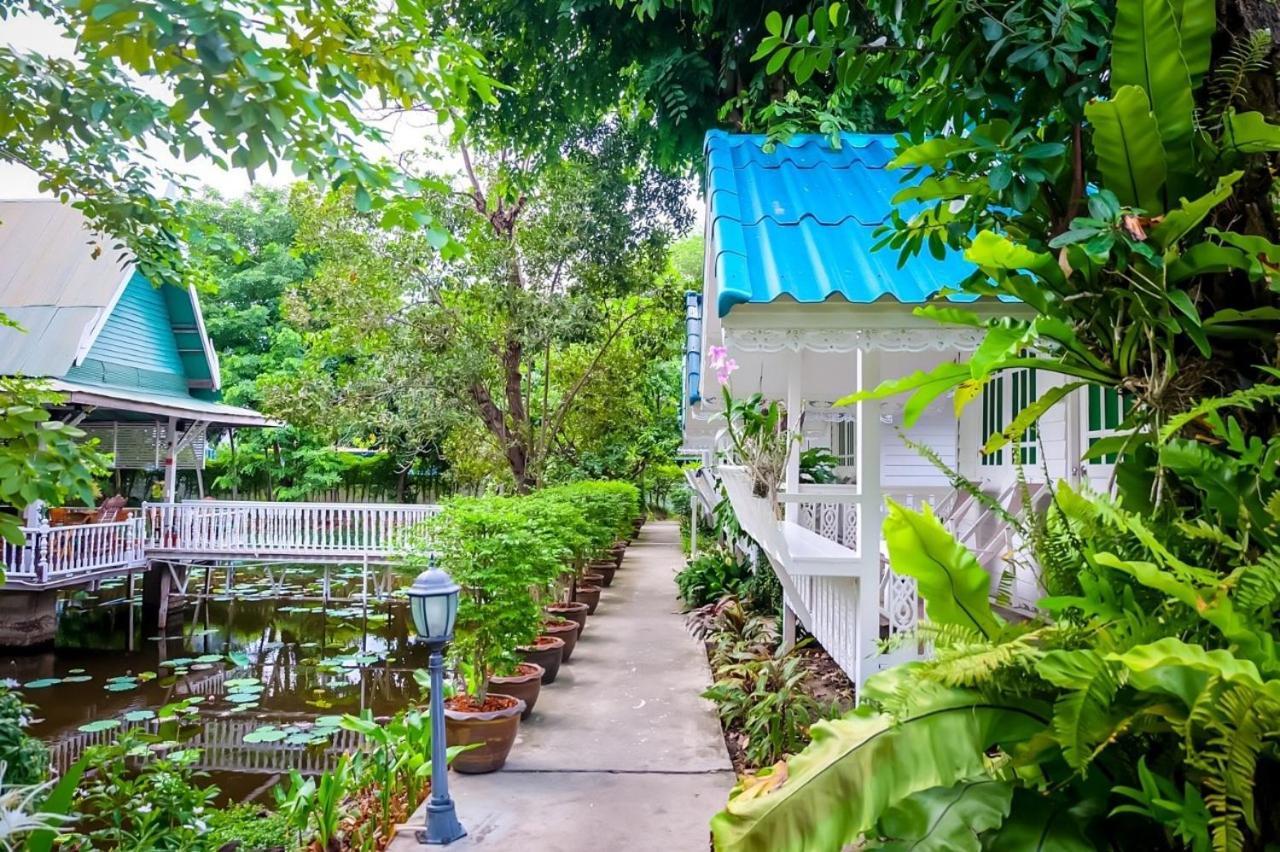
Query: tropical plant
[766, 697]
[818, 466]
[760, 439]
[712, 575]
[26, 759]
[143, 794]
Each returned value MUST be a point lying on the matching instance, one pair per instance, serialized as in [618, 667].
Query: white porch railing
[224, 528]
[55, 555]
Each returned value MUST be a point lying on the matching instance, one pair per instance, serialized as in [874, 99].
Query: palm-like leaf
[1127, 141]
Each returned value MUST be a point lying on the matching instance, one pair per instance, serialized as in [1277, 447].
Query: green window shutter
[1107, 410]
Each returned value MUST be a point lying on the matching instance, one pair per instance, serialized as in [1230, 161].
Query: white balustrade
[53, 555]
[222, 747]
[247, 528]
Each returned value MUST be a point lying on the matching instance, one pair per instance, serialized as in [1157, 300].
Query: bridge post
[28, 620]
[157, 588]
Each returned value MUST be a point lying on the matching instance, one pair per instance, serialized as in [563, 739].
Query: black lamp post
[433, 600]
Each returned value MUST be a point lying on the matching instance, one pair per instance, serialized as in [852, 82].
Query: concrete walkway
[621, 752]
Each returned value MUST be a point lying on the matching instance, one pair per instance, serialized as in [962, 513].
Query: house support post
[171, 462]
[870, 514]
[791, 479]
[693, 524]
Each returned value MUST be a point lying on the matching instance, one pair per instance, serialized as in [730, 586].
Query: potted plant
[571, 611]
[547, 652]
[524, 682]
[500, 559]
[565, 629]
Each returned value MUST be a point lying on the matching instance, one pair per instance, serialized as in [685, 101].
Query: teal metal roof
[799, 222]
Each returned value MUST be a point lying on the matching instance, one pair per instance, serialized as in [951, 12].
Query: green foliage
[25, 758]
[836, 789]
[713, 574]
[39, 456]
[247, 86]
[500, 555]
[818, 465]
[251, 826]
[142, 798]
[766, 697]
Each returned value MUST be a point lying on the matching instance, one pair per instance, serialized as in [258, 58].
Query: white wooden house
[810, 313]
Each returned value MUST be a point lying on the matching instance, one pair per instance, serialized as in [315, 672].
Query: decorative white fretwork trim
[851, 339]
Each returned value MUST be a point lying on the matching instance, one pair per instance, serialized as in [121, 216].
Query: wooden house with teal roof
[133, 360]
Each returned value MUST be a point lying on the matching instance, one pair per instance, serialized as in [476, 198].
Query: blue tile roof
[799, 221]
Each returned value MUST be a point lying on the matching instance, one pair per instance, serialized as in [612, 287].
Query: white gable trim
[215, 371]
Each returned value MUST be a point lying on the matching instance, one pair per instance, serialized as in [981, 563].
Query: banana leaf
[857, 767]
[955, 587]
[946, 819]
[1126, 138]
[1147, 52]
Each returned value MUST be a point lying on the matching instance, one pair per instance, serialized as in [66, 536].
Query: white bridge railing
[53, 555]
[225, 528]
[222, 747]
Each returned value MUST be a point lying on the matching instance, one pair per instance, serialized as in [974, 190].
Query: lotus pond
[266, 671]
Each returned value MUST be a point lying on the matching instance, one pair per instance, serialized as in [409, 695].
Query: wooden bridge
[211, 531]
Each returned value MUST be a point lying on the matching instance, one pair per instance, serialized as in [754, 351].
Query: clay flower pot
[575, 612]
[563, 628]
[546, 651]
[493, 725]
[593, 577]
[617, 552]
[603, 570]
[589, 595]
[524, 684]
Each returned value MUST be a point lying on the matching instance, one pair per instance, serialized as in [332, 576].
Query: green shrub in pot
[501, 556]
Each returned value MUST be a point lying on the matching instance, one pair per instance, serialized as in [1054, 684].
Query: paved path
[621, 753]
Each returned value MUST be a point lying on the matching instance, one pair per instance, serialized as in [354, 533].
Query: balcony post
[795, 418]
[870, 511]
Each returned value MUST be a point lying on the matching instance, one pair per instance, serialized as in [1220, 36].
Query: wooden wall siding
[137, 346]
[902, 466]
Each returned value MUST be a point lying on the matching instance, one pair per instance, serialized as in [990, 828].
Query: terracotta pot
[546, 651]
[525, 684]
[593, 577]
[568, 631]
[616, 553]
[575, 612]
[604, 571]
[589, 595]
[495, 729]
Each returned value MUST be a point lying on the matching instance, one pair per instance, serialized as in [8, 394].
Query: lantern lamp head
[433, 601]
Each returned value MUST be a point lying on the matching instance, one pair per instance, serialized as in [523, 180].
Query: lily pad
[99, 725]
[42, 683]
[77, 679]
[242, 697]
[139, 715]
[265, 735]
[241, 681]
[121, 686]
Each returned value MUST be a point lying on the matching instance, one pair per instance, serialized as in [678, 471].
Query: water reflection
[312, 658]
